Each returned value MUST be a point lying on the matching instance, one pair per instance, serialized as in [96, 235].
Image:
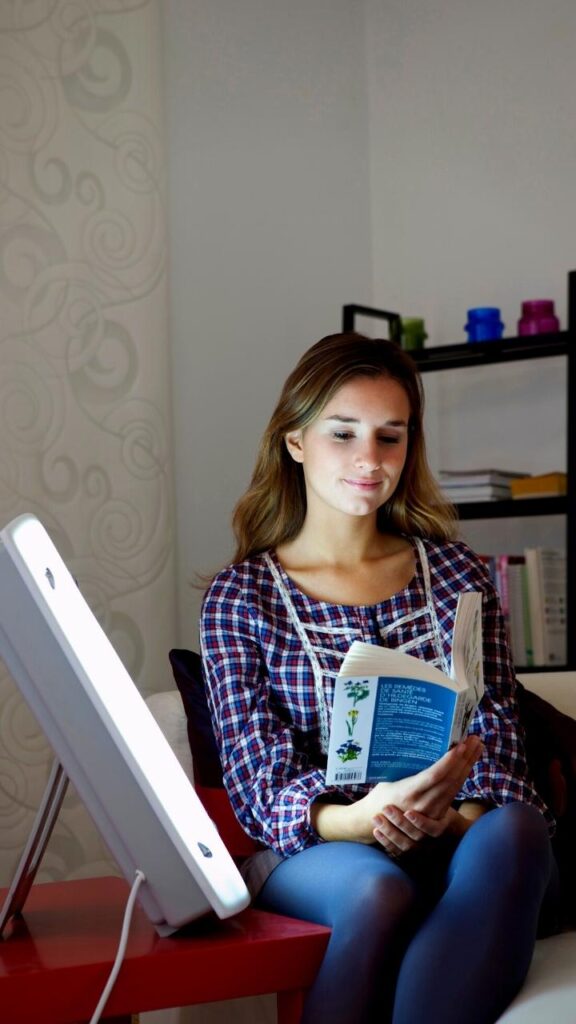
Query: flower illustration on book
[356, 690]
[349, 751]
[351, 719]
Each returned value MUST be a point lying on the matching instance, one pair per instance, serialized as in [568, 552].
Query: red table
[56, 958]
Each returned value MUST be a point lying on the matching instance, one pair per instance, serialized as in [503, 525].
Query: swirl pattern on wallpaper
[84, 394]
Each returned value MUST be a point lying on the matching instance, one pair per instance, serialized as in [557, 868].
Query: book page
[372, 660]
[467, 656]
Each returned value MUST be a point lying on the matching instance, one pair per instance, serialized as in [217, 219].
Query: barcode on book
[348, 776]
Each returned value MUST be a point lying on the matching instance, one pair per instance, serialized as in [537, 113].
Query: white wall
[270, 230]
[473, 154]
[473, 157]
[473, 168]
[464, 132]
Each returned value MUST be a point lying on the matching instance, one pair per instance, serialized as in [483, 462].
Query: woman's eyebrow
[354, 419]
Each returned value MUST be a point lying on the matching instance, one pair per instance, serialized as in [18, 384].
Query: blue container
[484, 324]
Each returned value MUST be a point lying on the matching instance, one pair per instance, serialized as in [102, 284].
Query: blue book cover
[394, 715]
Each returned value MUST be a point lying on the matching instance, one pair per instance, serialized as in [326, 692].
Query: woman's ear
[294, 445]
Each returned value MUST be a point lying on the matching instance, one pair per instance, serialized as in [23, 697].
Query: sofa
[549, 993]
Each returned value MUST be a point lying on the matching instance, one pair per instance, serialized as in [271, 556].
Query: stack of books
[477, 484]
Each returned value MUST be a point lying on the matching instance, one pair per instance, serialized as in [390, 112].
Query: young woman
[433, 886]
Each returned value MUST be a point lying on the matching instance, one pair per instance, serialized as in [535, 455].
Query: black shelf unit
[511, 509]
[507, 350]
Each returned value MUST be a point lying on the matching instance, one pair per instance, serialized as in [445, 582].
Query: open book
[394, 715]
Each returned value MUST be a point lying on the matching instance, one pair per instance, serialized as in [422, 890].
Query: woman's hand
[398, 831]
[432, 790]
[427, 796]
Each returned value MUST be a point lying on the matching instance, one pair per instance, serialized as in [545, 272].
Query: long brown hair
[273, 508]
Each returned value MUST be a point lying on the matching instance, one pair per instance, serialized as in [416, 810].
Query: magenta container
[538, 317]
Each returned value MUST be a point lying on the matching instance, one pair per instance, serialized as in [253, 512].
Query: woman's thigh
[332, 880]
[370, 903]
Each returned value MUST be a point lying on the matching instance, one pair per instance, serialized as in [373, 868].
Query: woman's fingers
[422, 803]
[430, 792]
[432, 827]
[437, 786]
[393, 832]
[398, 831]
[455, 764]
[399, 821]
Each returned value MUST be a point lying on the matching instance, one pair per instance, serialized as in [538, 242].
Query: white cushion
[168, 711]
[548, 995]
[559, 688]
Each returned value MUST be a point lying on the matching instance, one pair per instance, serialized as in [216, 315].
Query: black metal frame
[393, 320]
[36, 844]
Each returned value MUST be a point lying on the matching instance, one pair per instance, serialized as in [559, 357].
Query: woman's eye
[349, 435]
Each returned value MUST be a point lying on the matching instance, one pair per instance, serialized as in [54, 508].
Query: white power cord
[138, 879]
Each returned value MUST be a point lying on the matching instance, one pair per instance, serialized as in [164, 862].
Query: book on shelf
[519, 612]
[546, 581]
[511, 583]
[475, 477]
[546, 485]
[394, 714]
[460, 494]
[462, 485]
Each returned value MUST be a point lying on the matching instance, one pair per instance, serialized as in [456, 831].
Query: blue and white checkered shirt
[271, 654]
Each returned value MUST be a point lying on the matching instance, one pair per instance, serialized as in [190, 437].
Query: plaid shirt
[264, 702]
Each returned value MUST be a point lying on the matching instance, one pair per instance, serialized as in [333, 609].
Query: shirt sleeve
[269, 780]
[501, 775]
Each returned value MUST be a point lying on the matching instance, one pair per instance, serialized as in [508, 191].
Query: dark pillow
[551, 756]
[187, 671]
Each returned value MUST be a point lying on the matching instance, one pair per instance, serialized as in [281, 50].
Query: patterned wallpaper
[84, 392]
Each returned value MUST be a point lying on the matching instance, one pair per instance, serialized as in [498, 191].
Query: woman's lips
[364, 485]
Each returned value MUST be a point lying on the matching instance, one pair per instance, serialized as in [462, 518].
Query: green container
[413, 333]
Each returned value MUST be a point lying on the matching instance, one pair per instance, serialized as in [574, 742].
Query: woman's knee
[513, 843]
[390, 894]
[520, 827]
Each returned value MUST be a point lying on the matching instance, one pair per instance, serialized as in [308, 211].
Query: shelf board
[480, 353]
[513, 508]
[525, 670]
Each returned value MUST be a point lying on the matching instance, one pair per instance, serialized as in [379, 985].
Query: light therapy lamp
[106, 742]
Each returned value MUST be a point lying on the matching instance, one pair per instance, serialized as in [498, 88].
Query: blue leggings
[442, 938]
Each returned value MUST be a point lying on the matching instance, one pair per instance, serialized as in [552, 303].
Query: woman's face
[353, 454]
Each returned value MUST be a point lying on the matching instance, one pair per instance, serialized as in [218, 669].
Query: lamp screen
[106, 738]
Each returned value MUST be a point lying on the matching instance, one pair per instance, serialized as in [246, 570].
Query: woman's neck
[336, 541]
[348, 566]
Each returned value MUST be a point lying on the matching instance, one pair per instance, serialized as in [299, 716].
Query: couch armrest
[168, 711]
[558, 688]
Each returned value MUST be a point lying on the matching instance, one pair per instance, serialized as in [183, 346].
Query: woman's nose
[369, 455]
